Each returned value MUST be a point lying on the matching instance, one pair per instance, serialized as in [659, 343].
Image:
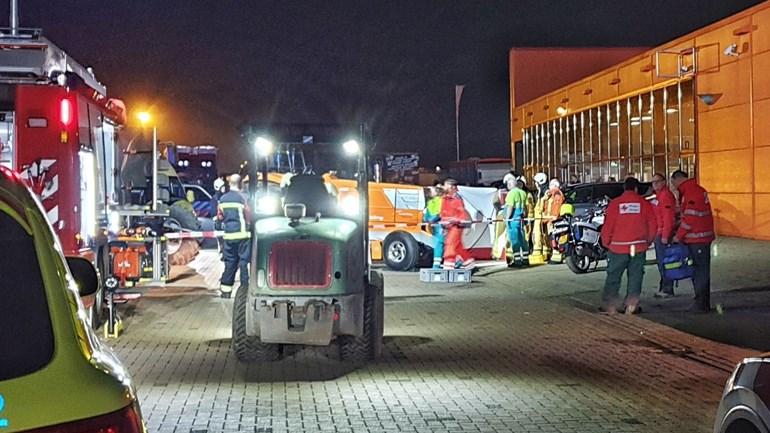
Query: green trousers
[616, 265]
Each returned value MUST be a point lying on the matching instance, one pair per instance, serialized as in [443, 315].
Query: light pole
[144, 118]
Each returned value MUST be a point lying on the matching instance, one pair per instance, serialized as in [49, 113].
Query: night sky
[209, 66]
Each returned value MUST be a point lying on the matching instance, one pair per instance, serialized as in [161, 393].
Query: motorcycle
[578, 239]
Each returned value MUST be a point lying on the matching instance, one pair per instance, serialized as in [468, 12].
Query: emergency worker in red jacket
[454, 217]
[629, 228]
[665, 213]
[696, 230]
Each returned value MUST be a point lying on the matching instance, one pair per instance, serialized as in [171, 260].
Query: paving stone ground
[483, 357]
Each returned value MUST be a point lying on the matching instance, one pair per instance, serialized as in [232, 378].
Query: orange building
[700, 103]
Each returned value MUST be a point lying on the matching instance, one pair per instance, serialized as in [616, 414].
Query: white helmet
[507, 179]
[541, 178]
[218, 183]
[286, 180]
[554, 184]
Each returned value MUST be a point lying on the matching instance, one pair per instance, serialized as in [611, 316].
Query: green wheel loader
[310, 282]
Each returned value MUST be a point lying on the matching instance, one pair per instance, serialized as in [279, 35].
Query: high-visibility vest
[234, 211]
[517, 199]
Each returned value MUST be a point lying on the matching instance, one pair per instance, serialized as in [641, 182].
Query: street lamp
[145, 118]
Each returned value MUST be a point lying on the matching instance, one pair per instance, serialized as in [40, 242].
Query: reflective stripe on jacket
[697, 225]
[665, 212]
[234, 213]
[629, 225]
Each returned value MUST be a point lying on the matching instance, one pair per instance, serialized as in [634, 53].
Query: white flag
[458, 95]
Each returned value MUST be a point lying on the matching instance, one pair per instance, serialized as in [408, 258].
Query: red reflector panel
[122, 421]
[65, 112]
[300, 265]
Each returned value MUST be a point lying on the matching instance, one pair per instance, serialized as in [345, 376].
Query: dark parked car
[585, 195]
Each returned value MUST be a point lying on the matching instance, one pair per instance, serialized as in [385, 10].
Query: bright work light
[351, 147]
[264, 146]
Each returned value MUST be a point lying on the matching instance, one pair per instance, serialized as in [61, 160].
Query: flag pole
[458, 96]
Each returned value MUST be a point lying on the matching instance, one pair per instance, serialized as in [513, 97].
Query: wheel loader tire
[183, 212]
[248, 348]
[182, 251]
[369, 345]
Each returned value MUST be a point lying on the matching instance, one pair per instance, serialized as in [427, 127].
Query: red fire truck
[58, 130]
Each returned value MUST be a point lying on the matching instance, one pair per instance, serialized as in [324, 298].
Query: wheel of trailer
[401, 251]
[577, 264]
[368, 345]
[248, 348]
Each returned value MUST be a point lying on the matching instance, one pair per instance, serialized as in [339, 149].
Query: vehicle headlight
[268, 204]
[349, 205]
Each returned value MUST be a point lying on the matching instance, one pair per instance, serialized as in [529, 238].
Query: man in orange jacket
[696, 230]
[552, 212]
[454, 217]
[629, 228]
[665, 213]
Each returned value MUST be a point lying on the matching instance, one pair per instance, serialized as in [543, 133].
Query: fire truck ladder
[26, 56]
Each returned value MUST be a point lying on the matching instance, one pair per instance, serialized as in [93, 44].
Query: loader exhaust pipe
[14, 17]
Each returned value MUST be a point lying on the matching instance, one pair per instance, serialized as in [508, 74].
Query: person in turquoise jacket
[432, 215]
[515, 212]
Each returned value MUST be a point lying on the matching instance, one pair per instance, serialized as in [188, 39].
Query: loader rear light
[65, 112]
[126, 420]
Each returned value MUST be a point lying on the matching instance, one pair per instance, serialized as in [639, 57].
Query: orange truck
[397, 236]
[396, 233]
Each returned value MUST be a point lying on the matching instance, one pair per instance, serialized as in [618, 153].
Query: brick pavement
[475, 358]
